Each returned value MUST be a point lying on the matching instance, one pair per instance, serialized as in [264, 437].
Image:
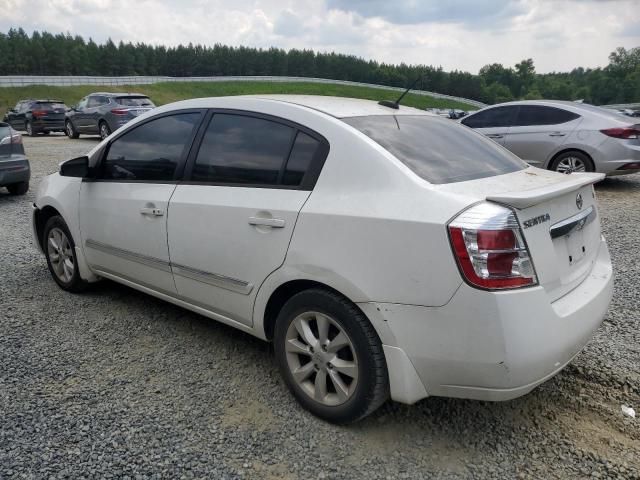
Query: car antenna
[396, 105]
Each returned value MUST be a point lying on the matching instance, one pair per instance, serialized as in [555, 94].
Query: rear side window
[436, 149]
[491, 118]
[242, 150]
[151, 151]
[542, 115]
[304, 151]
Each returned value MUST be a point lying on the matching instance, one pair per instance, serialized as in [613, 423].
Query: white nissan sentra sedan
[385, 252]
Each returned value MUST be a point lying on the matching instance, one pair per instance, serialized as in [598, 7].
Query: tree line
[44, 53]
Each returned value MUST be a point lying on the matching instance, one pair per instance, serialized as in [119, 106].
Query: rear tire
[59, 249]
[18, 188]
[572, 161]
[105, 131]
[339, 375]
[70, 130]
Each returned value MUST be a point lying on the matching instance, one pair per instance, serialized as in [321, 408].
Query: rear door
[538, 131]
[123, 213]
[231, 221]
[493, 122]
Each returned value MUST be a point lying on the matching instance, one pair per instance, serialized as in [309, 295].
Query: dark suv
[37, 116]
[102, 113]
[14, 166]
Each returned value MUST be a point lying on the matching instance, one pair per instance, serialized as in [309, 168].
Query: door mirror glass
[76, 167]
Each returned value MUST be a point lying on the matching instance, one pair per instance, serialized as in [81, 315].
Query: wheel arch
[567, 149]
[279, 288]
[41, 216]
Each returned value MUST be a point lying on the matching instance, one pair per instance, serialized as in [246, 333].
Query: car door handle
[268, 222]
[494, 135]
[557, 134]
[152, 211]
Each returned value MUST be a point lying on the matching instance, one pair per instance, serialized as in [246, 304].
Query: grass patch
[162, 93]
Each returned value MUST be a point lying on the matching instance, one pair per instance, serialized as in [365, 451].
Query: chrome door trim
[214, 279]
[129, 255]
[575, 222]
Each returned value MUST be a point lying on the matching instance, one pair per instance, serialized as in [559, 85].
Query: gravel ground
[114, 383]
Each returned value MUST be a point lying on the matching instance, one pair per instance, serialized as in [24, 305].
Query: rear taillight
[119, 111]
[489, 248]
[39, 113]
[626, 133]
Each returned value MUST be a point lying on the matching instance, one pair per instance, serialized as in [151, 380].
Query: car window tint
[493, 117]
[151, 151]
[302, 154]
[437, 149]
[242, 150]
[542, 115]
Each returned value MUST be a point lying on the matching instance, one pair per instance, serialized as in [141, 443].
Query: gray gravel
[116, 384]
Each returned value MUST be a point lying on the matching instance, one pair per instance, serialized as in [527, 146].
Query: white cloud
[465, 35]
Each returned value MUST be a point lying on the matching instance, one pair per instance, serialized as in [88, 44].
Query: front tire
[60, 252]
[330, 356]
[70, 130]
[29, 128]
[18, 188]
[572, 161]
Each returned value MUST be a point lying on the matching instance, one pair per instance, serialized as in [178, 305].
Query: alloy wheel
[69, 130]
[570, 165]
[60, 255]
[321, 358]
[29, 129]
[104, 131]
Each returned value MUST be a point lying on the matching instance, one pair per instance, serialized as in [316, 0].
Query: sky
[455, 34]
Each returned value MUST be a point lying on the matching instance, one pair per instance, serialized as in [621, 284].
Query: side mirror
[76, 167]
[13, 110]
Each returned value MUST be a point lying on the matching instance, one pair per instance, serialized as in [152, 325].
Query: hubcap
[104, 133]
[570, 165]
[29, 130]
[321, 358]
[69, 129]
[60, 255]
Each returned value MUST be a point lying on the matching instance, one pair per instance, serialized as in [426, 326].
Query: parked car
[102, 113]
[385, 252]
[14, 165]
[563, 136]
[37, 116]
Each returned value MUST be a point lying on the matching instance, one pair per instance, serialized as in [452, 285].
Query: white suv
[385, 252]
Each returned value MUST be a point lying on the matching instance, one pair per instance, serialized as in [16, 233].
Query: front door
[123, 213]
[231, 223]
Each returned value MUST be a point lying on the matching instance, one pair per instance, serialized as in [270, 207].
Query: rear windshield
[135, 101]
[50, 106]
[437, 149]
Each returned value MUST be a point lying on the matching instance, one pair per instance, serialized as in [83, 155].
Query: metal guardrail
[59, 81]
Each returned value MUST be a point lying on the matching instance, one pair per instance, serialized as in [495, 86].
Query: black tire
[46, 132]
[372, 388]
[104, 129]
[18, 188]
[75, 284]
[30, 130]
[70, 129]
[565, 156]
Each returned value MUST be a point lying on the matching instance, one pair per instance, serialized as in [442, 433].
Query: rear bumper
[14, 171]
[493, 346]
[48, 125]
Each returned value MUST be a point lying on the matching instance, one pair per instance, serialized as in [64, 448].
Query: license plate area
[575, 247]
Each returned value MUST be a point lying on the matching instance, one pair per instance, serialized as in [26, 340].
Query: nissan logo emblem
[579, 201]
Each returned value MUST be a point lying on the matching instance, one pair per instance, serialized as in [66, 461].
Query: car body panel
[372, 230]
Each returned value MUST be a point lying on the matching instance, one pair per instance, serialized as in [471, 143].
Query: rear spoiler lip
[528, 198]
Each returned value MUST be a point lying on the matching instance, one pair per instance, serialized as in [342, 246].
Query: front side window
[240, 149]
[152, 151]
[82, 104]
[491, 118]
[436, 149]
[542, 115]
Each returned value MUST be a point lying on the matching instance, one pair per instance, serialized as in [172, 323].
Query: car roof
[118, 94]
[340, 107]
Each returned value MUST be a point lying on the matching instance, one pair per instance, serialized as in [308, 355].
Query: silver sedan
[563, 136]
